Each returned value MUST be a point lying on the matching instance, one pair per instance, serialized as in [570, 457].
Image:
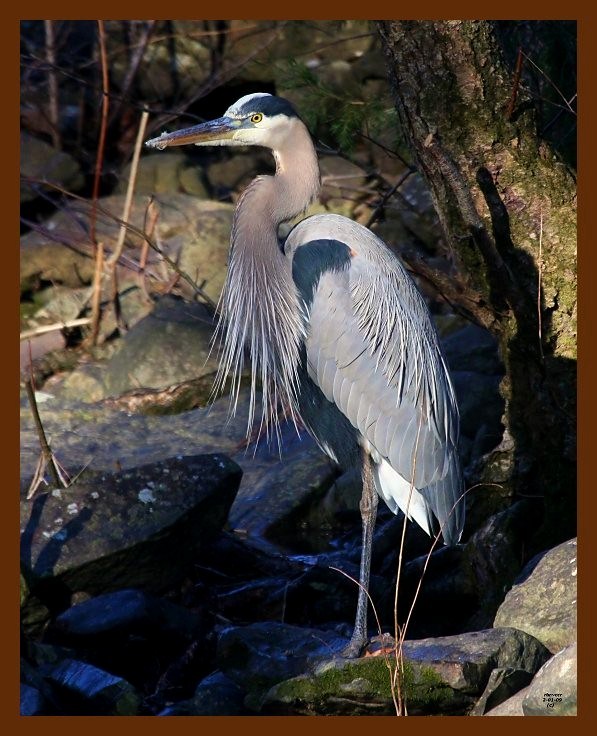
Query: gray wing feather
[399, 409]
[389, 379]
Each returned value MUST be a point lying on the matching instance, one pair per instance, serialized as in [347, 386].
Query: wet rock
[134, 528]
[34, 612]
[152, 643]
[169, 346]
[261, 654]
[542, 601]
[216, 695]
[502, 684]
[553, 690]
[170, 171]
[318, 594]
[114, 617]
[39, 160]
[83, 689]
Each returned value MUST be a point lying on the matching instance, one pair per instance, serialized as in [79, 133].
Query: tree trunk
[507, 206]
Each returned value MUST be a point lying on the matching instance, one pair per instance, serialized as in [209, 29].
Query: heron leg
[368, 507]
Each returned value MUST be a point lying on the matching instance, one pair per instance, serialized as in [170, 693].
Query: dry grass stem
[42, 329]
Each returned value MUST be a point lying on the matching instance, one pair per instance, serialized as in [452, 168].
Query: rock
[40, 349]
[216, 695]
[62, 304]
[132, 634]
[261, 654]
[341, 180]
[510, 707]
[503, 682]
[34, 612]
[317, 595]
[465, 661]
[441, 675]
[87, 690]
[33, 702]
[170, 171]
[168, 69]
[481, 406]
[103, 438]
[198, 236]
[472, 348]
[362, 687]
[553, 690]
[542, 601]
[39, 160]
[193, 232]
[492, 559]
[86, 384]
[234, 172]
[444, 601]
[134, 528]
[280, 489]
[168, 346]
[124, 613]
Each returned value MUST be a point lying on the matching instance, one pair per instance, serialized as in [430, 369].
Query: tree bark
[507, 206]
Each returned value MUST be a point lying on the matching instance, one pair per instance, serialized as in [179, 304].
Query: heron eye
[257, 118]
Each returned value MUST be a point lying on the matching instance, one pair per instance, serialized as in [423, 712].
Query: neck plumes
[259, 307]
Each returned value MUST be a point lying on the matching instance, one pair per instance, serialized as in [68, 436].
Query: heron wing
[372, 350]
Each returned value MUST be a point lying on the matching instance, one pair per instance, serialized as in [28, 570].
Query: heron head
[254, 120]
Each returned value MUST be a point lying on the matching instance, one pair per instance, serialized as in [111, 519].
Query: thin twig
[515, 86]
[151, 218]
[104, 125]
[112, 260]
[96, 294]
[400, 634]
[54, 113]
[539, 279]
[136, 231]
[138, 52]
[45, 447]
[553, 84]
[388, 195]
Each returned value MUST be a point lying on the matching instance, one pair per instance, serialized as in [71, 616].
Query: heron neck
[259, 305]
[271, 200]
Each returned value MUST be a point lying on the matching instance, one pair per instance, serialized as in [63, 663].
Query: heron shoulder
[334, 227]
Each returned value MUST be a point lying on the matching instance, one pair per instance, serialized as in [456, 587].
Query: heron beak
[212, 132]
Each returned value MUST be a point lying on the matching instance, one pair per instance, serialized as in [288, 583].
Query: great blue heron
[337, 332]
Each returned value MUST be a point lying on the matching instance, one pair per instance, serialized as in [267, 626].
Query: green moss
[365, 680]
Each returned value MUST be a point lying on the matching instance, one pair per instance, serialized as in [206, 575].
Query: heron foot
[354, 648]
